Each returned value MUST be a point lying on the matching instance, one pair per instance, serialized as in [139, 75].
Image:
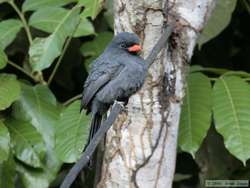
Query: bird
[115, 75]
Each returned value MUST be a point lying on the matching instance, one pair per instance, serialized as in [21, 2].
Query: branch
[160, 44]
[66, 103]
[21, 69]
[21, 16]
[116, 109]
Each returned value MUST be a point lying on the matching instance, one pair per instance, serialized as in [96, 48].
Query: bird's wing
[92, 87]
[99, 76]
[129, 80]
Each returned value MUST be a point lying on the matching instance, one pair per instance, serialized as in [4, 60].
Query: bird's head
[126, 41]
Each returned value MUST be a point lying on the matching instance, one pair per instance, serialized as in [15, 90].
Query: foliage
[218, 21]
[28, 143]
[71, 134]
[7, 173]
[3, 59]
[91, 50]
[196, 112]
[9, 90]
[93, 7]
[229, 101]
[29, 5]
[4, 142]
[9, 29]
[38, 131]
[231, 113]
[230, 106]
[218, 143]
[44, 51]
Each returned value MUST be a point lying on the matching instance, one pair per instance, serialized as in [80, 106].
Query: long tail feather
[95, 124]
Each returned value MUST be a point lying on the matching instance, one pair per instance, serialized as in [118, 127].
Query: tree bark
[141, 146]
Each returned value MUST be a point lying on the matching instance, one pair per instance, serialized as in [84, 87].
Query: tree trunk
[141, 147]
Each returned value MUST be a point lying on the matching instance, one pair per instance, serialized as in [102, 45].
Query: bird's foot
[122, 104]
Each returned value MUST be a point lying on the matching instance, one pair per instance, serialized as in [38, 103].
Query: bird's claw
[122, 104]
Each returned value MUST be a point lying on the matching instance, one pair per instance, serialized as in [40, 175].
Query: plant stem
[59, 60]
[25, 24]
[28, 33]
[246, 79]
[247, 6]
[213, 79]
[238, 73]
[64, 49]
[72, 99]
[21, 69]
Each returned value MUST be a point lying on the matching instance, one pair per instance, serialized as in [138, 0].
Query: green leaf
[3, 59]
[96, 47]
[35, 4]
[198, 68]
[8, 31]
[32, 178]
[93, 49]
[231, 110]
[28, 143]
[4, 142]
[181, 177]
[71, 133]
[44, 51]
[48, 19]
[219, 71]
[38, 105]
[196, 113]
[3, 1]
[109, 13]
[85, 28]
[7, 173]
[246, 5]
[39, 178]
[218, 21]
[9, 90]
[91, 8]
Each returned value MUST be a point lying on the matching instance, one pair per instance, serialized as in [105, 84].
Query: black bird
[115, 75]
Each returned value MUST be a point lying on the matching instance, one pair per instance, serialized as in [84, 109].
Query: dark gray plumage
[115, 75]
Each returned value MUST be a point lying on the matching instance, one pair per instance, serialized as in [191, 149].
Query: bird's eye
[123, 45]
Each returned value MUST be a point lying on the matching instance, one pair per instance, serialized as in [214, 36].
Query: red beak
[135, 48]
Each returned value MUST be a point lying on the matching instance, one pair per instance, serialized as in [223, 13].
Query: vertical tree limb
[141, 146]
